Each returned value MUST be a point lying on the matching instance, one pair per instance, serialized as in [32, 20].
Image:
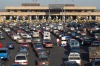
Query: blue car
[10, 45]
[4, 53]
[16, 65]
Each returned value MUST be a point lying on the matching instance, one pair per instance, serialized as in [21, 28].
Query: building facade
[54, 12]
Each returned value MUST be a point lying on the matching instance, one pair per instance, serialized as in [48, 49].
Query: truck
[94, 53]
[47, 35]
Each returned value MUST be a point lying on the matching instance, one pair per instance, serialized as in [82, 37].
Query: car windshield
[2, 51]
[74, 58]
[74, 43]
[20, 58]
[38, 45]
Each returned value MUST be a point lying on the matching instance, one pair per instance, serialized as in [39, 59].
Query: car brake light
[24, 62]
[16, 62]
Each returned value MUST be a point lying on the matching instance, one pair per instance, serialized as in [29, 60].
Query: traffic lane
[14, 52]
[56, 56]
[83, 51]
[85, 56]
[57, 53]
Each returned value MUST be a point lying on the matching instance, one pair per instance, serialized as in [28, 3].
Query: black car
[42, 62]
[87, 40]
[74, 49]
[42, 51]
[70, 63]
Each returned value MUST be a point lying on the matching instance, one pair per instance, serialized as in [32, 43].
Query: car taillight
[24, 62]
[16, 62]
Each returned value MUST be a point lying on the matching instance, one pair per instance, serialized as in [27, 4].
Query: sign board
[56, 6]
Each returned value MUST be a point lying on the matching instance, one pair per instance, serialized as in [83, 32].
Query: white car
[6, 29]
[15, 36]
[63, 43]
[20, 40]
[74, 56]
[21, 58]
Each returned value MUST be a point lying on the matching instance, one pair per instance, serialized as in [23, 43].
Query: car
[10, 45]
[21, 58]
[5, 53]
[75, 49]
[87, 40]
[74, 56]
[42, 51]
[97, 36]
[96, 62]
[15, 36]
[25, 44]
[37, 46]
[95, 43]
[43, 62]
[74, 43]
[2, 36]
[28, 39]
[16, 64]
[20, 40]
[48, 44]
[23, 50]
[70, 63]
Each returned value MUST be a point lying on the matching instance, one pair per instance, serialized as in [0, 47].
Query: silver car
[21, 58]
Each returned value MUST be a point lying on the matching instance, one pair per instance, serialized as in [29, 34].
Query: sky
[4, 3]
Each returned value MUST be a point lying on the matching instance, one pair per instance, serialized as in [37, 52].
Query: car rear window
[20, 58]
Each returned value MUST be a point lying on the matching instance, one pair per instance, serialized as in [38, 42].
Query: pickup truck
[94, 53]
[4, 53]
